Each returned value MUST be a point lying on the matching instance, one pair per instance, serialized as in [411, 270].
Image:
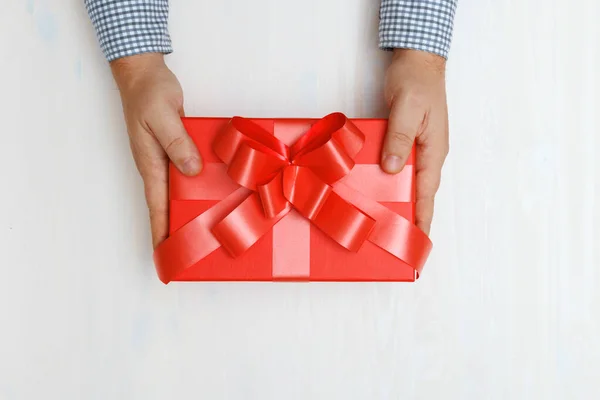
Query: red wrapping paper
[291, 200]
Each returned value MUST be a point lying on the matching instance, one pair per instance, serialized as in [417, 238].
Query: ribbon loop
[271, 196]
[316, 201]
[252, 166]
[240, 130]
[344, 223]
[239, 230]
[305, 191]
[333, 126]
[330, 161]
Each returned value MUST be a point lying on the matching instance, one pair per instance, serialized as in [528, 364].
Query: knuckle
[175, 144]
[401, 138]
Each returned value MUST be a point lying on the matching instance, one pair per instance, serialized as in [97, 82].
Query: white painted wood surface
[508, 307]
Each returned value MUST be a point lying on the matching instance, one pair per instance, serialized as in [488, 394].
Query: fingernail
[191, 166]
[392, 164]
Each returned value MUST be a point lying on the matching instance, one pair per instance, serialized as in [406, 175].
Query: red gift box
[291, 199]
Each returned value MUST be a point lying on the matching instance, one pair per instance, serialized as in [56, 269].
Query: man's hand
[416, 93]
[153, 105]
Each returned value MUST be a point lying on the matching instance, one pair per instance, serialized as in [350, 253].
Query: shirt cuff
[425, 25]
[129, 27]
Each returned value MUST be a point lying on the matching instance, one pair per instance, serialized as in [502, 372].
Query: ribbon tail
[392, 233]
[245, 225]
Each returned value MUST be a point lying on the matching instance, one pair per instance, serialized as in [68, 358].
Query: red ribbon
[298, 177]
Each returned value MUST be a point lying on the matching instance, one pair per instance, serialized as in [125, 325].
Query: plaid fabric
[417, 24]
[128, 27]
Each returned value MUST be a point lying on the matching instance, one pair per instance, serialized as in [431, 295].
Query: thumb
[403, 124]
[171, 134]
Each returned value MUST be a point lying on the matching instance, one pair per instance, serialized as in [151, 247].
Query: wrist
[127, 71]
[423, 60]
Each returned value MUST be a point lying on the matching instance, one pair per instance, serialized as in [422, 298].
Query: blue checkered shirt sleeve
[417, 24]
[128, 27]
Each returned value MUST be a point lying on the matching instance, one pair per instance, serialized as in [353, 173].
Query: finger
[157, 196]
[405, 120]
[171, 134]
[431, 154]
[153, 165]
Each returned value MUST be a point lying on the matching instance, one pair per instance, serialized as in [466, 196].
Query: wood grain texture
[508, 306]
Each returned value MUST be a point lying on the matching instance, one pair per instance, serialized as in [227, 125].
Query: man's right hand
[153, 106]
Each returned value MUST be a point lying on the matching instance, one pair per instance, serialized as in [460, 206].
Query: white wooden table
[508, 307]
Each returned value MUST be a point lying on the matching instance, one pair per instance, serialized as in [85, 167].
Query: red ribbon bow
[299, 177]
